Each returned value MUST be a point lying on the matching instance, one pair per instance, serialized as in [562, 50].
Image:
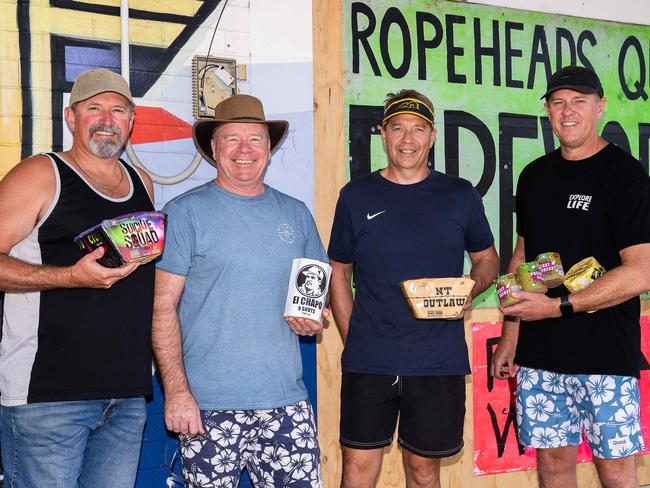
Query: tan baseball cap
[96, 81]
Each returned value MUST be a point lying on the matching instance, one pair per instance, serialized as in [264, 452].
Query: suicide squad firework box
[308, 285]
[437, 298]
[135, 237]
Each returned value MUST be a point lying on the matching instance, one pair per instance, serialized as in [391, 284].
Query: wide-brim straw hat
[238, 109]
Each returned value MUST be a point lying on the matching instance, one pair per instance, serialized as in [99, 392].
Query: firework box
[582, 274]
[437, 298]
[505, 285]
[308, 285]
[135, 237]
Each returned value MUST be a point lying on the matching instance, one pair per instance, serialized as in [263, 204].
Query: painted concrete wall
[44, 44]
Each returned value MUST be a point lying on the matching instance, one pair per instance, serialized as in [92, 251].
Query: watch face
[565, 306]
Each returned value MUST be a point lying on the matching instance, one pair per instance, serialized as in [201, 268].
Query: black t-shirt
[393, 232]
[592, 207]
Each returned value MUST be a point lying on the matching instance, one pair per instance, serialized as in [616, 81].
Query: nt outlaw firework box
[136, 237]
[437, 298]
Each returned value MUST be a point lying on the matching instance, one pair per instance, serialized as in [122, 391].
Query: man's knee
[421, 471]
[557, 462]
[361, 467]
[617, 473]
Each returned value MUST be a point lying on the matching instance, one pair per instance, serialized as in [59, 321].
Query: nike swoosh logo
[370, 217]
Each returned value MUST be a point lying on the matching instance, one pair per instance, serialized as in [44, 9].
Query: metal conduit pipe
[126, 69]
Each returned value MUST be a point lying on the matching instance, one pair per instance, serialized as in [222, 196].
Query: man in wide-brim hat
[241, 109]
[234, 389]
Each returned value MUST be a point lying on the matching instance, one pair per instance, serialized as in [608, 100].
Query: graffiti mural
[56, 40]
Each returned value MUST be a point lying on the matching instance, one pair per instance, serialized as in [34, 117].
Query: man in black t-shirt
[404, 221]
[578, 354]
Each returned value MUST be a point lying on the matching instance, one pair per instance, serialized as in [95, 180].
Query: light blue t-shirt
[236, 254]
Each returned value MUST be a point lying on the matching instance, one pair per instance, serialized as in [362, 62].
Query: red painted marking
[155, 124]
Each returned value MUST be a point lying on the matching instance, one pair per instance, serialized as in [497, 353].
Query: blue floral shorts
[553, 408]
[277, 446]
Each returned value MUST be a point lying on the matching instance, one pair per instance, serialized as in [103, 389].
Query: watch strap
[566, 309]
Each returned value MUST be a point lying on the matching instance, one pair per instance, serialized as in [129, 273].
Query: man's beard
[105, 148]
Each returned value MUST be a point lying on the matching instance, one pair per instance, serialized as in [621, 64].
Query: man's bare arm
[341, 296]
[630, 279]
[26, 193]
[503, 359]
[485, 267]
[182, 413]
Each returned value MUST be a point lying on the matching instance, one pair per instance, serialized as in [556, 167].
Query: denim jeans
[85, 444]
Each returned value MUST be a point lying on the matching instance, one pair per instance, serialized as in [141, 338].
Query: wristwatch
[566, 309]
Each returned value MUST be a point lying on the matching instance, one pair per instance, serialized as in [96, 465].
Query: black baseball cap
[583, 80]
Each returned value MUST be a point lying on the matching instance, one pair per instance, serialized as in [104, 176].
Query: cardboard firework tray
[437, 298]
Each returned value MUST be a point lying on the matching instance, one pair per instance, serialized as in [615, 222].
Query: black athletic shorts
[431, 412]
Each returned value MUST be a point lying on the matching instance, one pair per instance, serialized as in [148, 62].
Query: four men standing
[235, 392]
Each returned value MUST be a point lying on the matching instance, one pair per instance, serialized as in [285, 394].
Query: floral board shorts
[553, 408]
[277, 446]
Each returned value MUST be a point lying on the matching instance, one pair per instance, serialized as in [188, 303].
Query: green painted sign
[485, 69]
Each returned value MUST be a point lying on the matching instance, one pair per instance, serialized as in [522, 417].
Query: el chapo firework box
[135, 237]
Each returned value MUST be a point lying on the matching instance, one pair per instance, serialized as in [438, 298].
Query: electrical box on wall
[213, 79]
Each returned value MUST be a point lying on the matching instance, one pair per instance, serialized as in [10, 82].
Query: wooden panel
[329, 177]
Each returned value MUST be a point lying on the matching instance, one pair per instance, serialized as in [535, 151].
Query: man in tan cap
[75, 360]
[230, 365]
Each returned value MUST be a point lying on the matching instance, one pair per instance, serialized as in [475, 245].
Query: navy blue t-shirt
[391, 233]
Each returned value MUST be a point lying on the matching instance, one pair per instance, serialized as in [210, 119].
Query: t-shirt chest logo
[370, 216]
[579, 202]
[286, 233]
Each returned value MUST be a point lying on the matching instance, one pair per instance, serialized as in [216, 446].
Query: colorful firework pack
[135, 237]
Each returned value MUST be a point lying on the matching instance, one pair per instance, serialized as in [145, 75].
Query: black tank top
[91, 343]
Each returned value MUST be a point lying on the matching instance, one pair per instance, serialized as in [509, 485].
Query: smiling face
[407, 139]
[241, 152]
[574, 118]
[101, 124]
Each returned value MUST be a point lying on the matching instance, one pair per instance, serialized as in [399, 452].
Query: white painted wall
[630, 11]
[273, 39]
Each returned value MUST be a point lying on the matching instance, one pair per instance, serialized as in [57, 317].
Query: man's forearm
[484, 272]
[341, 302]
[484, 275]
[20, 276]
[614, 287]
[167, 349]
[509, 330]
